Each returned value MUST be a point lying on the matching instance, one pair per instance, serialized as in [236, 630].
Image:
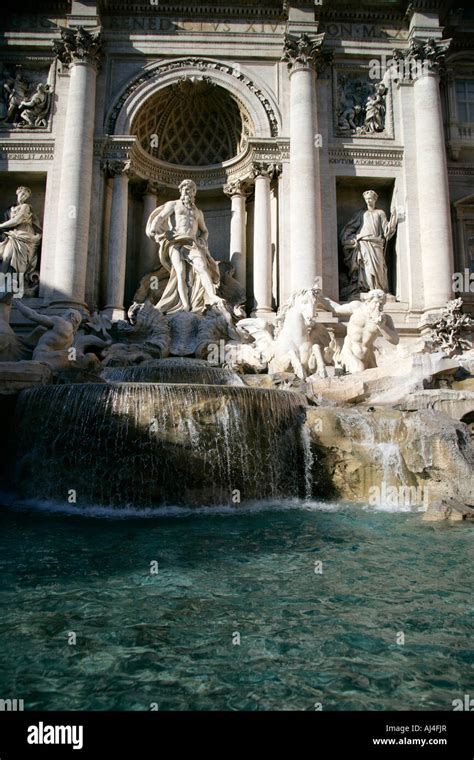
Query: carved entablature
[78, 46]
[366, 156]
[305, 52]
[362, 103]
[419, 58]
[26, 150]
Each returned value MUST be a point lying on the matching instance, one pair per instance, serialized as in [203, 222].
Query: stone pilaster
[262, 241]
[237, 192]
[304, 55]
[117, 249]
[79, 51]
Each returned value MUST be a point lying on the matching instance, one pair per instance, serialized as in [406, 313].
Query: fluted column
[432, 175]
[303, 54]
[238, 191]
[117, 249]
[78, 50]
[262, 240]
[148, 247]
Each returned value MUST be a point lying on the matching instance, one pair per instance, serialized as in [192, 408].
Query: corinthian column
[78, 49]
[148, 247]
[117, 250]
[303, 55]
[426, 60]
[237, 191]
[262, 240]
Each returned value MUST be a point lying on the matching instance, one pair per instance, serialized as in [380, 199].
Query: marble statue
[449, 332]
[184, 253]
[35, 110]
[19, 249]
[296, 343]
[55, 336]
[367, 322]
[364, 239]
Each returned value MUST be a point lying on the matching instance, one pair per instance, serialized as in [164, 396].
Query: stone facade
[283, 113]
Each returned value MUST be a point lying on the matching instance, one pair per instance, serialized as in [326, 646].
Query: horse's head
[305, 302]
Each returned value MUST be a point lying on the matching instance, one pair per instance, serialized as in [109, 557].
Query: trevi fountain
[241, 481]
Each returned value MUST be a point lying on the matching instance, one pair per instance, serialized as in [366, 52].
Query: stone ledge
[18, 376]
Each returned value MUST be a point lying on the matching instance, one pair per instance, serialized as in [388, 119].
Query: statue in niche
[367, 322]
[19, 249]
[184, 253]
[364, 239]
[34, 111]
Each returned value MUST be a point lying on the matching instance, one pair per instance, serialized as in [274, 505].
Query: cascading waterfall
[174, 370]
[151, 444]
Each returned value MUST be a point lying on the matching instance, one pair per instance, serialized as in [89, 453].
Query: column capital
[78, 46]
[267, 170]
[305, 52]
[421, 57]
[116, 167]
[237, 187]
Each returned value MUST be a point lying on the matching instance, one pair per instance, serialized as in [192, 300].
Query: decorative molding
[202, 65]
[461, 170]
[117, 168]
[12, 150]
[366, 156]
[78, 46]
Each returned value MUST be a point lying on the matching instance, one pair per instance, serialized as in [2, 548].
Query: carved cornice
[305, 52]
[366, 156]
[12, 150]
[78, 46]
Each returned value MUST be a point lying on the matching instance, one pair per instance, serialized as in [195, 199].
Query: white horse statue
[296, 342]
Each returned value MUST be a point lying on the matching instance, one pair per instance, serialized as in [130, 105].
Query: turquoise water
[168, 639]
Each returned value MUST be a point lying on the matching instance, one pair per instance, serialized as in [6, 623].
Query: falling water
[174, 370]
[150, 444]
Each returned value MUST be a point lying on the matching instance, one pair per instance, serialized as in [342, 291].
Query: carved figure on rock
[55, 336]
[367, 322]
[296, 342]
[364, 240]
[184, 253]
